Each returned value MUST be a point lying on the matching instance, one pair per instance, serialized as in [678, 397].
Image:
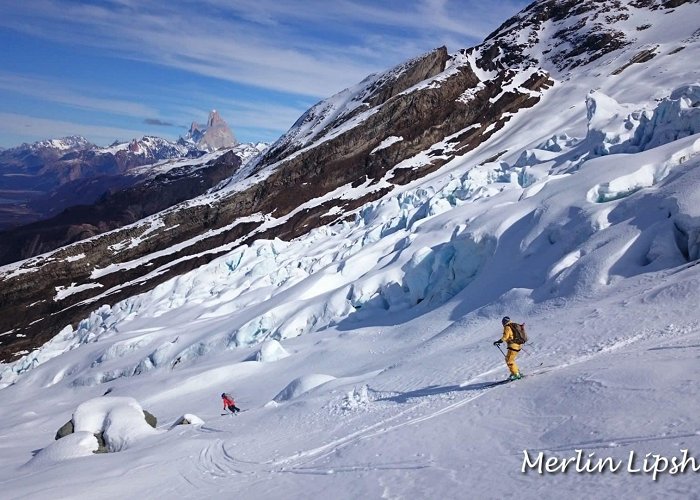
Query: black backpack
[519, 333]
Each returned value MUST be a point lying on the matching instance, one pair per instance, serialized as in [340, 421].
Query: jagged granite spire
[216, 135]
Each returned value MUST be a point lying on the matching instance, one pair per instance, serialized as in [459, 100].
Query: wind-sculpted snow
[616, 128]
[302, 385]
[271, 351]
[78, 444]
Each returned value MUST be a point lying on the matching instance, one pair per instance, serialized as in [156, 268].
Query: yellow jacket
[508, 337]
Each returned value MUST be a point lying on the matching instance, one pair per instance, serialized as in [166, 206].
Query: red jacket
[228, 402]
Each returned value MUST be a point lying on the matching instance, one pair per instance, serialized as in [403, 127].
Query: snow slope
[580, 217]
[245, 152]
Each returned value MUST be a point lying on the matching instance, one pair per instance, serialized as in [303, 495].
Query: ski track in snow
[216, 461]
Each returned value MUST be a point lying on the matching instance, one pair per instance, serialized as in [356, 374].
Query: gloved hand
[498, 342]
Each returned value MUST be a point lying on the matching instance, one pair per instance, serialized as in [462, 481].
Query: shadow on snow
[435, 390]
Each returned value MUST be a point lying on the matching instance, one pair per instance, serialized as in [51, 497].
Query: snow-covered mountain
[71, 158]
[347, 286]
[151, 147]
[37, 177]
[60, 191]
[69, 143]
[108, 202]
[46, 177]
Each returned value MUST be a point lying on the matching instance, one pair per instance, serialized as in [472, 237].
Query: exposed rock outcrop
[150, 418]
[212, 137]
[65, 429]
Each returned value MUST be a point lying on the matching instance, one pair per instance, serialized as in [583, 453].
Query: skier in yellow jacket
[513, 348]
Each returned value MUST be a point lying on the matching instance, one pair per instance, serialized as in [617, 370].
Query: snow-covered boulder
[115, 422]
[271, 350]
[188, 419]
[78, 444]
[301, 385]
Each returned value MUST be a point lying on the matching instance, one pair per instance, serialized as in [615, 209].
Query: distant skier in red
[229, 403]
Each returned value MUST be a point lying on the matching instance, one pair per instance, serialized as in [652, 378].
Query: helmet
[223, 394]
[505, 320]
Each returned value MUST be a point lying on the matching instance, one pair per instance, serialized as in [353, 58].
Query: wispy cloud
[308, 48]
[261, 115]
[158, 123]
[19, 126]
[464, 17]
[60, 92]
[276, 57]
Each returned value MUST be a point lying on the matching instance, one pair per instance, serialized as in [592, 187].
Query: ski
[506, 381]
[233, 413]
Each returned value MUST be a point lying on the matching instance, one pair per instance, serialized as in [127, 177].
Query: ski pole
[499, 348]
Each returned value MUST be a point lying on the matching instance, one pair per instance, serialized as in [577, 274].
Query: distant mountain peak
[195, 128]
[214, 119]
[216, 135]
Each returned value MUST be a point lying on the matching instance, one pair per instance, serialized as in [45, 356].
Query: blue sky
[119, 69]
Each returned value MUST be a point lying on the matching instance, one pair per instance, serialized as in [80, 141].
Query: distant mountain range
[40, 180]
[118, 200]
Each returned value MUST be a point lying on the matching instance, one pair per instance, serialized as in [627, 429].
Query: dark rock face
[638, 58]
[660, 4]
[65, 429]
[116, 208]
[585, 33]
[150, 419]
[378, 90]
